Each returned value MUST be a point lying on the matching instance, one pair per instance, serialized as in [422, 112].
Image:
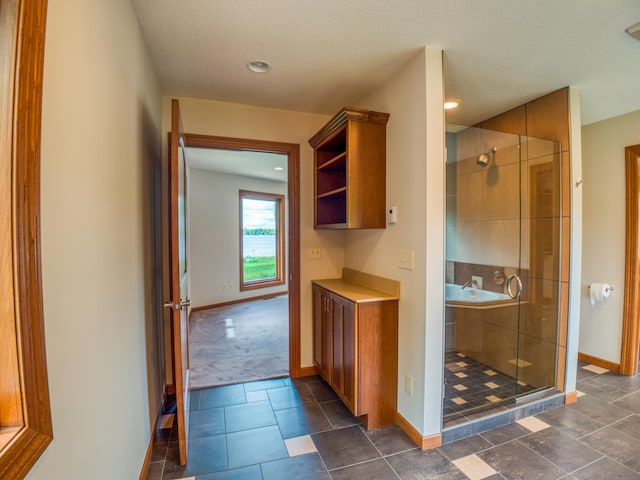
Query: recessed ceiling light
[634, 31]
[278, 169]
[450, 104]
[258, 66]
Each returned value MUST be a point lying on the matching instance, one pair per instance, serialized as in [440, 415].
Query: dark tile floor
[284, 429]
[470, 386]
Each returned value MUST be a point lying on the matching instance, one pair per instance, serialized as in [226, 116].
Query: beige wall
[100, 138]
[244, 121]
[415, 184]
[603, 228]
[214, 223]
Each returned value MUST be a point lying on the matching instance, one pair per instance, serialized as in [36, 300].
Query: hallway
[298, 429]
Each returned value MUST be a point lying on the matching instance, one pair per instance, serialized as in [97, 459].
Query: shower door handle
[510, 282]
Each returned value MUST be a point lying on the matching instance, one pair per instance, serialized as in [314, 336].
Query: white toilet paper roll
[598, 292]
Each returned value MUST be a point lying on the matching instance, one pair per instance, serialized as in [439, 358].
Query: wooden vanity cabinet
[350, 171]
[356, 351]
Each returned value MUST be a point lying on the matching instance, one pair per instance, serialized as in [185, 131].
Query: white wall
[415, 184]
[101, 125]
[210, 117]
[214, 225]
[603, 227]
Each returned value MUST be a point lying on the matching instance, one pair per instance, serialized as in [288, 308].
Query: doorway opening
[265, 310]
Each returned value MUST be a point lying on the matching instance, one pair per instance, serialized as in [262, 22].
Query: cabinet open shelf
[350, 170]
[337, 163]
[333, 193]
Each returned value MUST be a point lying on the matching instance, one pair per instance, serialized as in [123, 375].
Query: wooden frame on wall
[631, 307]
[22, 49]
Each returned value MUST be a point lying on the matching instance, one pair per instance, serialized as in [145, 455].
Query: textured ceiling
[234, 162]
[329, 53]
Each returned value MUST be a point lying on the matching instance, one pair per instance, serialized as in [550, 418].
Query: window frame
[20, 122]
[280, 258]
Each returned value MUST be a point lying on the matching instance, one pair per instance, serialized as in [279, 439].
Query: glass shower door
[501, 300]
[540, 264]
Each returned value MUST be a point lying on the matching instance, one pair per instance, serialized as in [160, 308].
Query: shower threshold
[540, 401]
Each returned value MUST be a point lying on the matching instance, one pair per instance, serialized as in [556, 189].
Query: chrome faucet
[468, 284]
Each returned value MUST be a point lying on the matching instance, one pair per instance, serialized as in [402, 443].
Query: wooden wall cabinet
[356, 347]
[350, 171]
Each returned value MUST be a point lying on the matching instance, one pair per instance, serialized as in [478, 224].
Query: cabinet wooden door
[344, 342]
[337, 367]
[323, 332]
[343, 372]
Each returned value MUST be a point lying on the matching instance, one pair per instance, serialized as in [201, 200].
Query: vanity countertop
[360, 287]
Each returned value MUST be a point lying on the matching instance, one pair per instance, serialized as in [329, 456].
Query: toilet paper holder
[610, 287]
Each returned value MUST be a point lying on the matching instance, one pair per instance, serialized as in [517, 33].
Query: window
[261, 240]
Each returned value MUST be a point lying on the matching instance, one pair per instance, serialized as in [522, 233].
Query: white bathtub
[455, 295]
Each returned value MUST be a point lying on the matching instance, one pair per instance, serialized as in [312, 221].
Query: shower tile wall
[488, 206]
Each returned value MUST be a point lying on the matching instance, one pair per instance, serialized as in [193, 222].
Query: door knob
[178, 306]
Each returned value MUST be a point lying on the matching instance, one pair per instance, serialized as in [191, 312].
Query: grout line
[321, 459]
[590, 463]
[622, 397]
[491, 445]
[331, 424]
[392, 469]
[542, 456]
[355, 464]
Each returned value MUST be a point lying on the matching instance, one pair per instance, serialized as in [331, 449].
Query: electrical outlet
[408, 384]
[314, 253]
[406, 259]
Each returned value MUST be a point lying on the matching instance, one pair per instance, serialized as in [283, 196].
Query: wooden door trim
[631, 308]
[292, 150]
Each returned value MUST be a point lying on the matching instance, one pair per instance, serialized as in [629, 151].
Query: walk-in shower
[503, 241]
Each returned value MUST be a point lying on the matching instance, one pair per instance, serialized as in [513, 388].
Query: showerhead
[484, 158]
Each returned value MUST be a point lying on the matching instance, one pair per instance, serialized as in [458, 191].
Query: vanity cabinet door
[348, 357]
[323, 332]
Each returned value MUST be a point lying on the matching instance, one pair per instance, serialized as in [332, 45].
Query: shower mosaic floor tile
[469, 385]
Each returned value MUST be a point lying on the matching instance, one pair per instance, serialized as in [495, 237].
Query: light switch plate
[406, 259]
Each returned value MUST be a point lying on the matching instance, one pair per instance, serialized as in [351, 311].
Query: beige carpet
[239, 343]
